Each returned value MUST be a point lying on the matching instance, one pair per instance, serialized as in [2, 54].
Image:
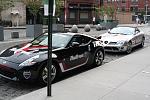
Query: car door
[79, 54]
[138, 37]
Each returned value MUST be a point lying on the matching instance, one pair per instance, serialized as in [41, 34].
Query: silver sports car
[122, 39]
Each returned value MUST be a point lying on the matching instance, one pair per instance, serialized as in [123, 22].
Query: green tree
[34, 7]
[100, 11]
[4, 5]
[58, 7]
[110, 10]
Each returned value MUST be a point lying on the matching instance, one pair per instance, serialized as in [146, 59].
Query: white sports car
[122, 39]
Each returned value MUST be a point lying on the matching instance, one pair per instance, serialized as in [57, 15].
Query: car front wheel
[98, 57]
[129, 48]
[55, 73]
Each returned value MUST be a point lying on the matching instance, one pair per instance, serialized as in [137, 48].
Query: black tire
[142, 43]
[129, 48]
[98, 57]
[55, 70]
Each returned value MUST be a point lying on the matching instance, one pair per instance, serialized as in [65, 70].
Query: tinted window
[123, 30]
[80, 39]
[58, 40]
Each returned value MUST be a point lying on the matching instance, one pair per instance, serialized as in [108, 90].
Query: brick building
[79, 11]
[127, 10]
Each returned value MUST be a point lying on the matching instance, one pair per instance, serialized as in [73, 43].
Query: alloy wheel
[99, 58]
[45, 73]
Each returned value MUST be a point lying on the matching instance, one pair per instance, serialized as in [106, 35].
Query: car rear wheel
[98, 57]
[129, 48]
[55, 74]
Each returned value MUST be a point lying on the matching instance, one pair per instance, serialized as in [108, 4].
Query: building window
[108, 1]
[123, 9]
[83, 15]
[123, 1]
[134, 1]
[72, 14]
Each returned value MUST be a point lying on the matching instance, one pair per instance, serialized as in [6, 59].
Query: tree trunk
[34, 22]
[0, 18]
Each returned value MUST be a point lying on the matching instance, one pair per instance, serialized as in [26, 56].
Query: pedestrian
[93, 20]
[58, 20]
[137, 20]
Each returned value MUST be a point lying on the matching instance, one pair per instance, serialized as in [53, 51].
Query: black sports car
[70, 50]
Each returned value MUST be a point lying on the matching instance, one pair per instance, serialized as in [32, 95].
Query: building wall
[12, 15]
[79, 11]
[128, 6]
[124, 18]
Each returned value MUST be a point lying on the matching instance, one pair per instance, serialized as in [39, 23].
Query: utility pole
[50, 23]
[146, 10]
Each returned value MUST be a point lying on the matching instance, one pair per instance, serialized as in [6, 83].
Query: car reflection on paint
[28, 62]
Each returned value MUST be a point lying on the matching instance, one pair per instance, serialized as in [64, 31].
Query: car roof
[73, 34]
[126, 26]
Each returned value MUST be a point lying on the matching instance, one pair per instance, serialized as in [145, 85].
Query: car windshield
[123, 30]
[58, 40]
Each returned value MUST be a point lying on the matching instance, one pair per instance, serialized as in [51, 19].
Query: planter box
[1, 33]
[15, 34]
[58, 28]
[34, 30]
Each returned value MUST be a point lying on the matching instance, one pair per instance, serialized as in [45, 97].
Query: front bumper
[7, 72]
[115, 48]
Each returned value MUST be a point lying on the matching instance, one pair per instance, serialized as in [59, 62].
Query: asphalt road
[10, 89]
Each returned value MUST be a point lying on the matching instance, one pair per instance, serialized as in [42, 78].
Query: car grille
[111, 48]
[4, 70]
[112, 43]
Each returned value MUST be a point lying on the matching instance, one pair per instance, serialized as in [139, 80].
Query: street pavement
[126, 78]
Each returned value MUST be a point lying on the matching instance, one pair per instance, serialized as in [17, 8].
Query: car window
[80, 39]
[85, 39]
[58, 40]
[123, 30]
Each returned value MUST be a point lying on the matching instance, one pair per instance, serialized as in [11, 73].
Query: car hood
[115, 37]
[19, 53]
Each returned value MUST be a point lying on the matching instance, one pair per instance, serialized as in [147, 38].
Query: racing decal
[76, 57]
[27, 74]
[54, 55]
[89, 48]
[97, 43]
[64, 67]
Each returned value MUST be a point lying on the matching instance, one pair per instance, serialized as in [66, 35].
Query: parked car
[69, 51]
[122, 39]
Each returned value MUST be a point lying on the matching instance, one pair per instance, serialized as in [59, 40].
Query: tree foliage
[108, 10]
[58, 7]
[33, 6]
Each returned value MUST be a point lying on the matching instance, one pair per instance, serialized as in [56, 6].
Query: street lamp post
[146, 12]
[50, 23]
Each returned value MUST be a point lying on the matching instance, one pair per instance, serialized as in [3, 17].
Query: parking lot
[9, 89]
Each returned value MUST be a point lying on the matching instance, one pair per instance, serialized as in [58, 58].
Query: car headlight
[2, 51]
[30, 61]
[121, 42]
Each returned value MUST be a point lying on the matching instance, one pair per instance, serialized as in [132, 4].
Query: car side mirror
[108, 30]
[136, 32]
[75, 44]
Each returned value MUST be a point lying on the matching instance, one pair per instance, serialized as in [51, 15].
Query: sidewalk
[127, 78]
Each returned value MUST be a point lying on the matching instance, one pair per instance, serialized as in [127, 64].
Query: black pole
[50, 23]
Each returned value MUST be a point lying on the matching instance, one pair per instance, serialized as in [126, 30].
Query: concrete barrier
[1, 33]
[15, 34]
[87, 28]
